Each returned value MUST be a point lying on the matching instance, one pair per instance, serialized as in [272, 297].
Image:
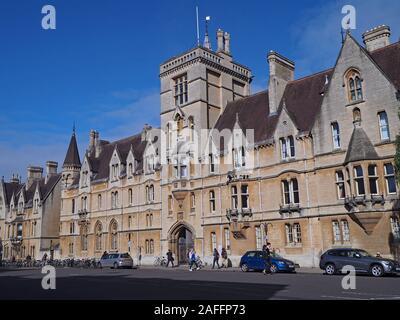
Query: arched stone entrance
[181, 240]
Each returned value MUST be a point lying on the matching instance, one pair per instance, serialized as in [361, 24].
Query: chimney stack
[34, 174]
[378, 37]
[97, 145]
[281, 71]
[91, 148]
[15, 179]
[227, 41]
[51, 169]
[220, 40]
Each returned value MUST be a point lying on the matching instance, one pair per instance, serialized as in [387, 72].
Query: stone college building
[307, 164]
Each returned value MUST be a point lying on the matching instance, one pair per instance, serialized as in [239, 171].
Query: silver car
[116, 260]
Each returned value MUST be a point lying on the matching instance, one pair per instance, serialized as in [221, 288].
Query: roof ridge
[312, 75]
[388, 46]
[125, 139]
[247, 97]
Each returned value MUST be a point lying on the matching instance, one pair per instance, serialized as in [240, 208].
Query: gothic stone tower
[195, 88]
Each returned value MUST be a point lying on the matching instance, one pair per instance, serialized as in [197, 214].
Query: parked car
[116, 260]
[334, 260]
[255, 260]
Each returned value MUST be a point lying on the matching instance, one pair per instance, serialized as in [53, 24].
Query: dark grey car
[333, 261]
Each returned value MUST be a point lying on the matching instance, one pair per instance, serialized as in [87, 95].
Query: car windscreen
[125, 256]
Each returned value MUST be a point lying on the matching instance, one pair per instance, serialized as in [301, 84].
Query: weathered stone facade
[31, 213]
[317, 172]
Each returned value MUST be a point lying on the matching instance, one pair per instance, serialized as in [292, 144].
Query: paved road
[180, 284]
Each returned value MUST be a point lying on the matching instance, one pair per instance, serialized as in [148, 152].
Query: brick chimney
[281, 71]
[378, 37]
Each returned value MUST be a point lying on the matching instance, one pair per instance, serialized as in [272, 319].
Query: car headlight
[386, 263]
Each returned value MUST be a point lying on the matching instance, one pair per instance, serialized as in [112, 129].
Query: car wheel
[330, 269]
[274, 268]
[115, 265]
[245, 268]
[377, 270]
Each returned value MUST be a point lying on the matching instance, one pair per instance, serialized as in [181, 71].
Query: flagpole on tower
[198, 28]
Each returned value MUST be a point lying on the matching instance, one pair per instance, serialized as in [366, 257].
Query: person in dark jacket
[170, 258]
[267, 251]
[216, 258]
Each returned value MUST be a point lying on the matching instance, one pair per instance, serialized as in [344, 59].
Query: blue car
[255, 260]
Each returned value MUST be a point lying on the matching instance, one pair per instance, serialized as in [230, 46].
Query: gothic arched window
[114, 235]
[354, 86]
[98, 232]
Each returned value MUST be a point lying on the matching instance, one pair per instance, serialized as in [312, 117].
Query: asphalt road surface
[180, 284]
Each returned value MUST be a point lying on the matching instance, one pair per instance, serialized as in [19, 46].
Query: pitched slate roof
[302, 99]
[100, 166]
[72, 157]
[44, 189]
[388, 59]
[360, 147]
[10, 188]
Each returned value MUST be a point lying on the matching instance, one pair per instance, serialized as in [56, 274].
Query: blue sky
[100, 66]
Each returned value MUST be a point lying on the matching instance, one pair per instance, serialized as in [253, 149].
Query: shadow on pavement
[125, 288]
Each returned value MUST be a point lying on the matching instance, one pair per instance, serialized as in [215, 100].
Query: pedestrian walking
[170, 258]
[224, 255]
[267, 255]
[193, 260]
[216, 259]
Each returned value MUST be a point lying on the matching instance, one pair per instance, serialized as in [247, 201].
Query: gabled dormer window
[20, 206]
[130, 169]
[85, 179]
[150, 164]
[115, 172]
[239, 157]
[287, 148]
[354, 86]
[35, 205]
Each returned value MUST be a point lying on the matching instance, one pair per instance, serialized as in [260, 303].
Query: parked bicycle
[160, 261]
